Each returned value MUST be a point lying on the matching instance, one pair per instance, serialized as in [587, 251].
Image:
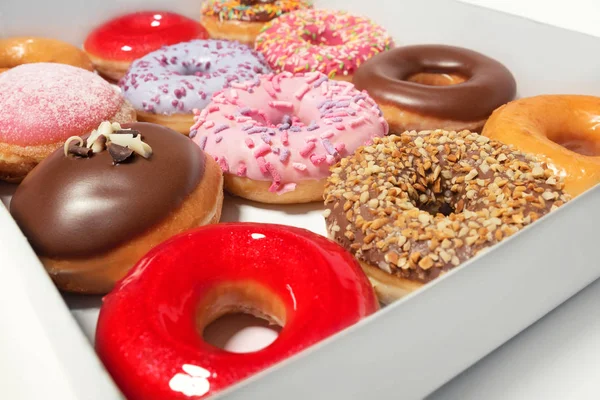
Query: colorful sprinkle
[308, 147]
[299, 166]
[262, 150]
[261, 11]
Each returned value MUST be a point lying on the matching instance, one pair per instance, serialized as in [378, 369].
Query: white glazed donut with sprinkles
[276, 137]
[332, 42]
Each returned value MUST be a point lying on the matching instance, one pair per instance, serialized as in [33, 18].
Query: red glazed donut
[149, 333]
[114, 45]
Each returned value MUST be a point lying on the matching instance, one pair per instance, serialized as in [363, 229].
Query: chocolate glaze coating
[391, 224]
[489, 84]
[71, 207]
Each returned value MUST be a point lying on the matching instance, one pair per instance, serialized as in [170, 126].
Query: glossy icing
[332, 42]
[19, 50]
[179, 78]
[70, 207]
[45, 103]
[286, 128]
[147, 335]
[563, 130]
[488, 84]
[134, 35]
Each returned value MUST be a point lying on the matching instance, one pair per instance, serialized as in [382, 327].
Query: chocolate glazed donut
[91, 217]
[435, 87]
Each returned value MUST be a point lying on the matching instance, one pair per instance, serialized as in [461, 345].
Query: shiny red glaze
[147, 330]
[132, 36]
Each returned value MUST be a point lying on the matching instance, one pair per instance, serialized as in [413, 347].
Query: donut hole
[576, 142]
[241, 333]
[436, 78]
[438, 207]
[321, 35]
[240, 317]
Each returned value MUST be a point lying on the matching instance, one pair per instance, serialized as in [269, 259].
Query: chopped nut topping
[421, 203]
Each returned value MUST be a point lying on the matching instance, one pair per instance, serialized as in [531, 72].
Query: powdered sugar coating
[286, 128]
[328, 41]
[182, 77]
[45, 103]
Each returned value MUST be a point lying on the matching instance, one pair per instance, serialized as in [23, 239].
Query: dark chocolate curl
[79, 151]
[118, 153]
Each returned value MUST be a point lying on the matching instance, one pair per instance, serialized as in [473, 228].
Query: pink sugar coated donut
[286, 128]
[332, 42]
[46, 103]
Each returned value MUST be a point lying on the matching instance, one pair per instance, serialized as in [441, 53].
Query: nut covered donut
[115, 44]
[43, 104]
[166, 85]
[414, 206]
[332, 42]
[150, 328]
[16, 51]
[242, 20]
[561, 129]
[93, 208]
[276, 137]
[435, 87]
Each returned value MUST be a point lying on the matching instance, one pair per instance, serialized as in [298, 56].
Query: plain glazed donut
[435, 87]
[242, 20]
[43, 104]
[276, 137]
[332, 42]
[412, 207]
[90, 216]
[150, 328]
[115, 44]
[16, 51]
[166, 85]
[561, 129]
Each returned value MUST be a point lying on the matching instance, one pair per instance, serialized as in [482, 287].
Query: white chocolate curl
[127, 140]
[68, 143]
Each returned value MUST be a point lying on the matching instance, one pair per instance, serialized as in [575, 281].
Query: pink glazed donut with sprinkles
[332, 42]
[276, 137]
[43, 104]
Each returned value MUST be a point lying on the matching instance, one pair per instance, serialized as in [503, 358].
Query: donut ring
[561, 129]
[90, 219]
[414, 206]
[43, 104]
[149, 333]
[242, 20]
[275, 138]
[165, 86]
[29, 49]
[332, 42]
[115, 44]
[435, 87]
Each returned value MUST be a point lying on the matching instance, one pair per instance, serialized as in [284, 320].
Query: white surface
[41, 349]
[576, 15]
[547, 361]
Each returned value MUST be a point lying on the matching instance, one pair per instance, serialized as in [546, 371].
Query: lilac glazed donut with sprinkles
[166, 85]
[332, 42]
[277, 136]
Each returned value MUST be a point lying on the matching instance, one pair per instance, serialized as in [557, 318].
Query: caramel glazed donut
[28, 49]
[435, 87]
[561, 129]
[412, 207]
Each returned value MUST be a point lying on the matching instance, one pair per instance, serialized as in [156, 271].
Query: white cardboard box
[404, 351]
